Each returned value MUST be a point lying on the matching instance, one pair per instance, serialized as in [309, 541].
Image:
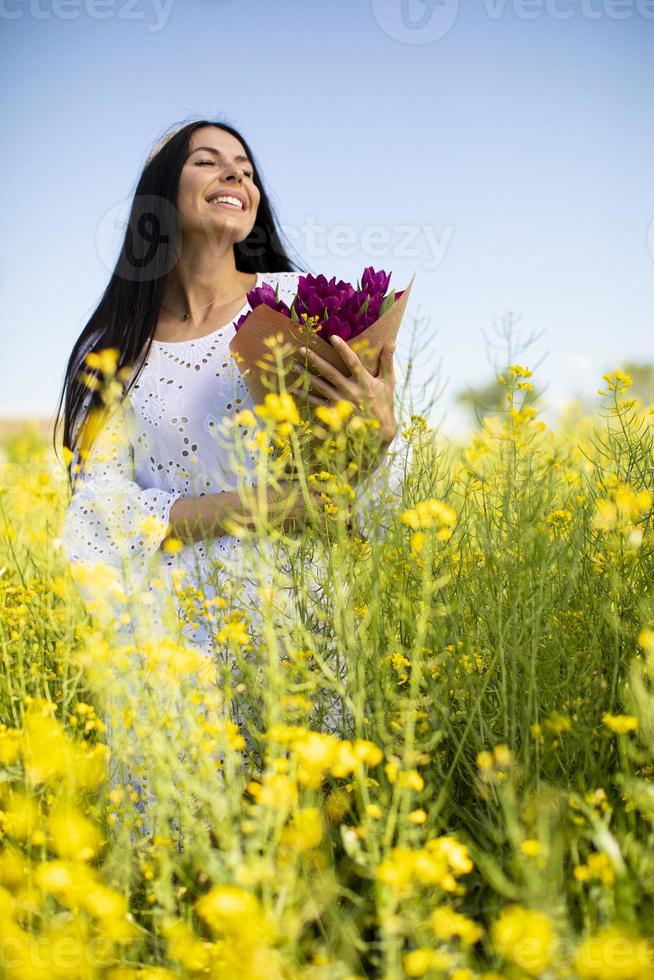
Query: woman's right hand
[301, 511]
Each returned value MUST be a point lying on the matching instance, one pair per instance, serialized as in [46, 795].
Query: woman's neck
[203, 282]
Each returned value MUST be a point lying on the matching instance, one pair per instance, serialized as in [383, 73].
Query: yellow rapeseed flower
[90, 766]
[614, 954]
[276, 791]
[621, 508]
[417, 542]
[605, 517]
[305, 830]
[280, 409]
[618, 380]
[104, 361]
[620, 724]
[14, 866]
[105, 903]
[351, 756]
[10, 745]
[430, 513]
[558, 723]
[48, 753]
[367, 752]
[315, 753]
[517, 371]
[391, 769]
[234, 913]
[438, 864]
[454, 853]
[448, 924]
[531, 848]
[185, 947]
[246, 418]
[646, 640]
[73, 836]
[152, 527]
[335, 416]
[417, 962]
[233, 631]
[558, 522]
[21, 815]
[525, 937]
[172, 545]
[598, 867]
[411, 779]
[68, 881]
[398, 870]
[495, 763]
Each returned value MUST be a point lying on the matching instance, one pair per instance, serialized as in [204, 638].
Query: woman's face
[216, 167]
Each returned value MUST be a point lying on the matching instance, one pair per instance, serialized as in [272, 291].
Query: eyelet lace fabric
[167, 440]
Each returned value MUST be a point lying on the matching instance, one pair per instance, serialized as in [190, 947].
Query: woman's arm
[209, 516]
[103, 522]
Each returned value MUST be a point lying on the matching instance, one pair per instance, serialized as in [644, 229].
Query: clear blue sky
[513, 140]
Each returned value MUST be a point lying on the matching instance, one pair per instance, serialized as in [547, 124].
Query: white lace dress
[168, 441]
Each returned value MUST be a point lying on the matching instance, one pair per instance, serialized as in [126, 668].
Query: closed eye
[212, 163]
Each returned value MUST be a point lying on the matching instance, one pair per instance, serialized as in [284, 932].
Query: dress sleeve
[113, 527]
[386, 475]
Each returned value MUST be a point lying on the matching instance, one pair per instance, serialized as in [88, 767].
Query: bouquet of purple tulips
[334, 307]
[366, 317]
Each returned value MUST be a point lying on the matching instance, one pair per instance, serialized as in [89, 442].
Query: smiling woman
[217, 205]
[163, 462]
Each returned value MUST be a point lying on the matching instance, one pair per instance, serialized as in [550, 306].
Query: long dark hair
[127, 314]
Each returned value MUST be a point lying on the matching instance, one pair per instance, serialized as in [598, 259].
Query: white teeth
[226, 199]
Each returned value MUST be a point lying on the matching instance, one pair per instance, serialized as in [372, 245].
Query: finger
[302, 396]
[321, 387]
[388, 364]
[357, 368]
[330, 373]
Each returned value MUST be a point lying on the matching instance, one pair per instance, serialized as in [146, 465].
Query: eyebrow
[212, 149]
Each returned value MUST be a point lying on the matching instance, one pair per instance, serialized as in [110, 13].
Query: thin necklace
[185, 316]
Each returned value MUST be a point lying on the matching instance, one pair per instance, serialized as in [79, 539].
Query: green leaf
[388, 301]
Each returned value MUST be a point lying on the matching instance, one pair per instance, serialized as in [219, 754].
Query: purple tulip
[264, 294]
[375, 282]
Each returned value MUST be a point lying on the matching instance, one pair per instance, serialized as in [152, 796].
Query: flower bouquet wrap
[267, 341]
[366, 317]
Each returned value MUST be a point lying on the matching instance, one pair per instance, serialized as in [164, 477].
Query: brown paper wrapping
[257, 364]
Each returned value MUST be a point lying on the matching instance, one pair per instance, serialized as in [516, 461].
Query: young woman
[201, 234]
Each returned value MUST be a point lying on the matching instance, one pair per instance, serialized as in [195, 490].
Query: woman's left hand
[362, 388]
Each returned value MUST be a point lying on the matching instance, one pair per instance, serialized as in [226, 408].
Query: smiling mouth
[227, 202]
